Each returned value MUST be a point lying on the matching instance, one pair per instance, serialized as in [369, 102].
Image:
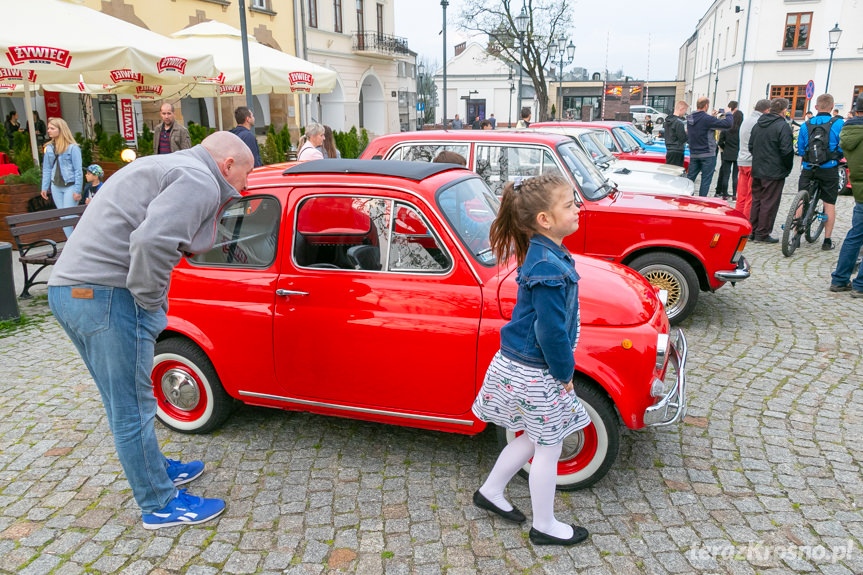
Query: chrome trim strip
[358, 409]
[672, 407]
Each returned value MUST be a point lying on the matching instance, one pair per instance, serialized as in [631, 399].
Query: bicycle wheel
[815, 221]
[793, 228]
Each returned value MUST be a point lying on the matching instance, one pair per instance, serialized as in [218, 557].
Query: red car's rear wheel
[190, 396]
[587, 454]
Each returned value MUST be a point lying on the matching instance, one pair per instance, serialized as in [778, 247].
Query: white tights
[543, 477]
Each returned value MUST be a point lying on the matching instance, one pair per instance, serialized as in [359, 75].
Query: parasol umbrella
[47, 46]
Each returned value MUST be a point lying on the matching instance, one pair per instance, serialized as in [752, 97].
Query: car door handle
[290, 292]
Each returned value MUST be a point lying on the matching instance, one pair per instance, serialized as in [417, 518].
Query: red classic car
[368, 290]
[681, 244]
[618, 140]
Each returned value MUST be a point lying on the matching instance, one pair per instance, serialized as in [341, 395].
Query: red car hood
[697, 205]
[609, 294]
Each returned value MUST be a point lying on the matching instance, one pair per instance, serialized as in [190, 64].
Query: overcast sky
[626, 23]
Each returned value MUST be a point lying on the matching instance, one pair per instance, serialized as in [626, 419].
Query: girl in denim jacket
[528, 386]
[61, 167]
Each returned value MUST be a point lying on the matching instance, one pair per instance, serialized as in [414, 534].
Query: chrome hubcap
[572, 445]
[180, 390]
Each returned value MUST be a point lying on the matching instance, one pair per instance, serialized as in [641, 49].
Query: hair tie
[516, 183]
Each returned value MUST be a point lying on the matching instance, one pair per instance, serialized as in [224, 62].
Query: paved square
[764, 476]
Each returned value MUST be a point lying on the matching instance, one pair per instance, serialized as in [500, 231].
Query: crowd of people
[757, 153]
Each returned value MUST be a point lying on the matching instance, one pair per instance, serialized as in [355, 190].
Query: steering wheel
[325, 266]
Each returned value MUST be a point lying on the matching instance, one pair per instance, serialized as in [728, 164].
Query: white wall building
[478, 84]
[750, 49]
[355, 39]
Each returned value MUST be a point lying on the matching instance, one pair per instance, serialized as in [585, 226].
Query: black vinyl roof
[416, 171]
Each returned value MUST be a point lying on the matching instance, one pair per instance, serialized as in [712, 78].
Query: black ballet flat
[579, 534]
[480, 501]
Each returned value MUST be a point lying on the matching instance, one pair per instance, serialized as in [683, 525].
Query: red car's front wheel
[190, 396]
[588, 454]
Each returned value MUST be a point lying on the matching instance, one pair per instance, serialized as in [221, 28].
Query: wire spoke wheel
[793, 228]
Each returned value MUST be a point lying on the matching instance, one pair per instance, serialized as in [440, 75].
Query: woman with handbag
[61, 167]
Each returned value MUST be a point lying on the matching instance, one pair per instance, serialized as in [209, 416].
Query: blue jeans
[116, 338]
[706, 166]
[62, 197]
[848, 254]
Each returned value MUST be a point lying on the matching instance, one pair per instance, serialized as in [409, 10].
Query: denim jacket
[70, 167]
[543, 331]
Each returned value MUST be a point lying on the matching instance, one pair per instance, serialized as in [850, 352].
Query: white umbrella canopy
[49, 37]
[48, 44]
[272, 71]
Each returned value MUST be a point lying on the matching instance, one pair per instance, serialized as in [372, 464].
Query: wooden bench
[25, 227]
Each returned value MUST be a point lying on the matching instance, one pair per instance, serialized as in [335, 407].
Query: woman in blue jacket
[61, 167]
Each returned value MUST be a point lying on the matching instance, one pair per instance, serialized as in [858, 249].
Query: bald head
[232, 155]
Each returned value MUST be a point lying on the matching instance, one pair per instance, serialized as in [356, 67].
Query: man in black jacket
[729, 143]
[771, 145]
[675, 135]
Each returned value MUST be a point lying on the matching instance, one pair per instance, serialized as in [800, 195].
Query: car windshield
[590, 180]
[470, 207]
[593, 145]
[627, 142]
[640, 136]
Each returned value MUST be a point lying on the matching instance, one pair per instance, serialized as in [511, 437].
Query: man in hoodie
[675, 135]
[851, 142]
[772, 148]
[825, 173]
[701, 131]
[109, 291]
[744, 159]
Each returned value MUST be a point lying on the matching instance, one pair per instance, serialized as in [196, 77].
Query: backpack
[818, 148]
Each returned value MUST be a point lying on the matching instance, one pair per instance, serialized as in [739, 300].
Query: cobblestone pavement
[764, 476]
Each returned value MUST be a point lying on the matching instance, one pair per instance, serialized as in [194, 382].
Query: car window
[366, 233]
[607, 140]
[637, 134]
[470, 208]
[342, 232]
[590, 180]
[498, 165]
[427, 152]
[415, 248]
[626, 141]
[246, 236]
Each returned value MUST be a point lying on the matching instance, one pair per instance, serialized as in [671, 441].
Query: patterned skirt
[524, 398]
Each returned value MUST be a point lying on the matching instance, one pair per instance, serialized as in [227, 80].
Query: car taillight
[738, 253]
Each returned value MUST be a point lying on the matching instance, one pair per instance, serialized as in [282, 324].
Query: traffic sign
[810, 90]
[421, 106]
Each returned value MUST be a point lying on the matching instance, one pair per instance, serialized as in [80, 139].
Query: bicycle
[805, 218]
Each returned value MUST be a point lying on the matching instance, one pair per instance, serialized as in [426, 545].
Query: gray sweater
[145, 217]
[744, 157]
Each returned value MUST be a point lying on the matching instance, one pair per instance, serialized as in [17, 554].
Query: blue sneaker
[181, 473]
[184, 509]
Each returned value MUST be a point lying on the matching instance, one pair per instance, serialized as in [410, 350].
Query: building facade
[376, 86]
[745, 50]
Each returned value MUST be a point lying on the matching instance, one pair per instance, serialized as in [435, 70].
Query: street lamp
[521, 26]
[444, 4]
[511, 90]
[570, 53]
[834, 36]
[715, 81]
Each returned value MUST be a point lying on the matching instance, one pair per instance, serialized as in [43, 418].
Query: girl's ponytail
[515, 224]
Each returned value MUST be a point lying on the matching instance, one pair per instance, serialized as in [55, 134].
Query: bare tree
[548, 19]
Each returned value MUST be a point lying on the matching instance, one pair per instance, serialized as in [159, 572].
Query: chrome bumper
[672, 407]
[739, 274]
